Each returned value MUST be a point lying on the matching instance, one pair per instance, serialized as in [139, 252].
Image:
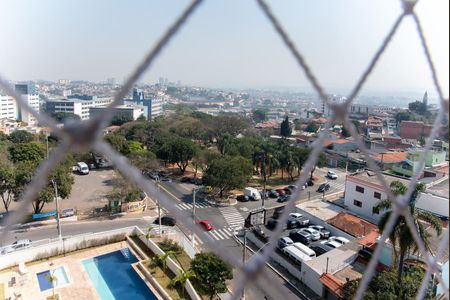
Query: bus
[296, 255]
[305, 249]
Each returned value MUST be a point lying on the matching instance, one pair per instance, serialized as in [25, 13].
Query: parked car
[259, 233]
[82, 168]
[301, 220]
[68, 212]
[252, 193]
[291, 224]
[152, 175]
[287, 191]
[17, 245]
[324, 234]
[331, 244]
[273, 194]
[323, 187]
[243, 198]
[283, 198]
[166, 221]
[292, 187]
[278, 212]
[281, 192]
[315, 235]
[310, 182]
[165, 179]
[331, 175]
[206, 225]
[339, 239]
[186, 179]
[273, 223]
[197, 181]
[319, 250]
[300, 236]
[284, 242]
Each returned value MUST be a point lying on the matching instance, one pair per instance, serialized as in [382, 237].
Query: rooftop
[390, 157]
[332, 283]
[320, 209]
[370, 177]
[440, 189]
[352, 225]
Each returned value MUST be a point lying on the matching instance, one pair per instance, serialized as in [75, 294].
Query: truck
[252, 193]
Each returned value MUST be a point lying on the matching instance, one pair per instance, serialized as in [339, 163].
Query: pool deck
[79, 286]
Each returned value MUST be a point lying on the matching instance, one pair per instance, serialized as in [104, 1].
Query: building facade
[79, 107]
[30, 95]
[8, 107]
[132, 111]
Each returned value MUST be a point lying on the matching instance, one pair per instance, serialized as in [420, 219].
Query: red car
[206, 225]
[281, 192]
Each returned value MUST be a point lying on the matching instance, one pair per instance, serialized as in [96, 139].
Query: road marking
[199, 204]
[233, 218]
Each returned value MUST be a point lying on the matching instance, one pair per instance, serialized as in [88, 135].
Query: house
[386, 160]
[410, 165]
[363, 192]
[352, 225]
[414, 129]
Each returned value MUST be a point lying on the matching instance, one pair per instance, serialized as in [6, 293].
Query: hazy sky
[226, 43]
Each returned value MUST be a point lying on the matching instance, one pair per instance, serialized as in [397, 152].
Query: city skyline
[243, 51]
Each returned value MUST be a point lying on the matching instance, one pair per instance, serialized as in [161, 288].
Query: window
[360, 189]
[375, 211]
[377, 195]
[357, 203]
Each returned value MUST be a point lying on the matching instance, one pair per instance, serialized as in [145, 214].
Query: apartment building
[79, 107]
[30, 95]
[8, 107]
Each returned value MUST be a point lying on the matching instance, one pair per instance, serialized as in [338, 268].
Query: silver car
[315, 235]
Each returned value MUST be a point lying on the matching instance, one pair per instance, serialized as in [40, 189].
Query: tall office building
[28, 92]
[152, 107]
[8, 107]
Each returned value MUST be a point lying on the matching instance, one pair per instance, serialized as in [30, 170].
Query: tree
[21, 136]
[134, 147]
[212, 273]
[118, 142]
[227, 173]
[401, 236]
[181, 280]
[384, 286]
[61, 117]
[300, 156]
[312, 127]
[52, 279]
[33, 151]
[224, 142]
[144, 160]
[321, 162]
[180, 151]
[161, 260]
[141, 118]
[259, 115]
[120, 119]
[202, 159]
[7, 184]
[285, 128]
[418, 107]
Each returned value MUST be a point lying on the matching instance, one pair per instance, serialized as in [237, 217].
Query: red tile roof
[370, 240]
[332, 283]
[390, 157]
[352, 225]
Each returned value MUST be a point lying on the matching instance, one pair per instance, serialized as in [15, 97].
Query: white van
[82, 168]
[295, 254]
[305, 249]
[253, 193]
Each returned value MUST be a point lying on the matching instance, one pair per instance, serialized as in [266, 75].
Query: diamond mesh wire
[88, 135]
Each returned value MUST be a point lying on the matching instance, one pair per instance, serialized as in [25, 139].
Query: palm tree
[181, 280]
[148, 235]
[162, 259]
[52, 279]
[401, 236]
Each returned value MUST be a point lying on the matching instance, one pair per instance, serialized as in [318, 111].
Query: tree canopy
[120, 119]
[212, 273]
[259, 115]
[228, 172]
[21, 136]
[32, 151]
[285, 128]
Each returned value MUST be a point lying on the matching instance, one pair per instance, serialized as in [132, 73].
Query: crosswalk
[221, 234]
[338, 186]
[189, 206]
[233, 218]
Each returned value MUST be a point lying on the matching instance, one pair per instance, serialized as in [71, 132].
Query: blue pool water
[114, 278]
[59, 273]
[444, 275]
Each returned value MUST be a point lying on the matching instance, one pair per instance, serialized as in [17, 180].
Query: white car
[331, 175]
[323, 232]
[295, 216]
[17, 245]
[339, 240]
[332, 244]
[315, 235]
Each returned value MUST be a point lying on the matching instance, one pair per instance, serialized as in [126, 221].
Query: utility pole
[159, 206]
[264, 178]
[194, 192]
[57, 210]
[46, 143]
[244, 258]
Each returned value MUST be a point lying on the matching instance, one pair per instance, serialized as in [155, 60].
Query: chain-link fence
[88, 135]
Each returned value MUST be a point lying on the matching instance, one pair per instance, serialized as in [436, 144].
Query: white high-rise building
[8, 107]
[80, 107]
[30, 95]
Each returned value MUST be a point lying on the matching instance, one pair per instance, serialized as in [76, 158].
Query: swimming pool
[114, 278]
[60, 278]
